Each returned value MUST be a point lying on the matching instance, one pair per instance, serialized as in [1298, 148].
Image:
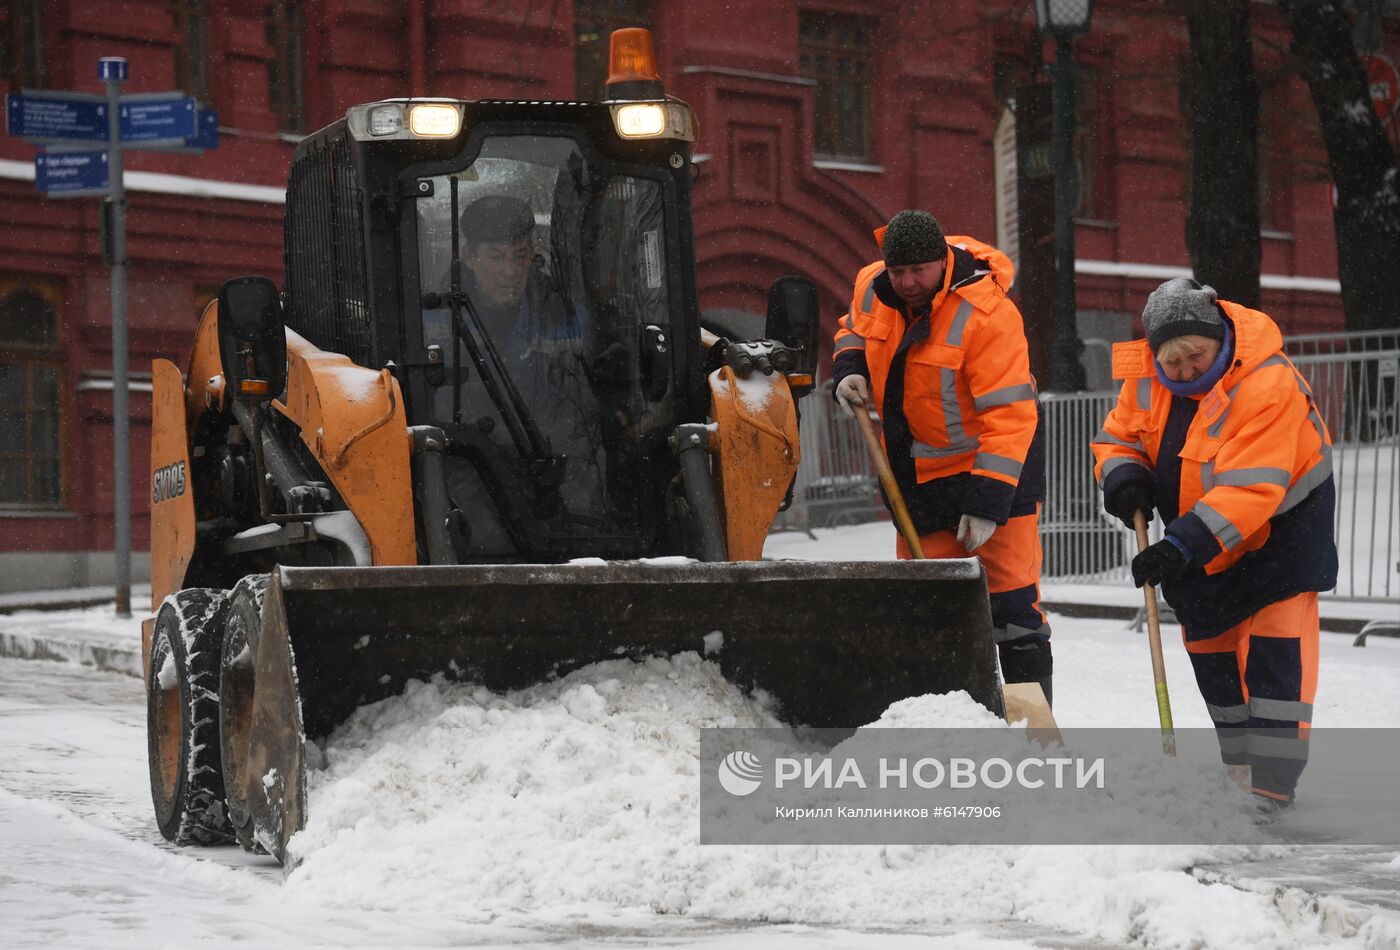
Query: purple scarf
[1204, 382]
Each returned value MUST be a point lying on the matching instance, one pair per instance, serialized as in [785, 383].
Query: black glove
[1162, 561]
[1128, 499]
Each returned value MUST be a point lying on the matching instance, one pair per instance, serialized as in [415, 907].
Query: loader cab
[526, 270]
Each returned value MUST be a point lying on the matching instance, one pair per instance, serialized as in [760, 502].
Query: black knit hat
[1180, 307]
[913, 237]
[497, 219]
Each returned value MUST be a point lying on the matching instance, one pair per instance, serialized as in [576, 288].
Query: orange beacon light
[632, 66]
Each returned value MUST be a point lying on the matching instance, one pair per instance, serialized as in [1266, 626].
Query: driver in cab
[520, 308]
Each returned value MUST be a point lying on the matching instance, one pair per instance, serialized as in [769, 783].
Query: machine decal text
[168, 482]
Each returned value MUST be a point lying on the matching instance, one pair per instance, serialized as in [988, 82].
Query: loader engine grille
[327, 301]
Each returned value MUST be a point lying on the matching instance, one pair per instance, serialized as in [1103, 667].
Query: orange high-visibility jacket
[1255, 461]
[953, 387]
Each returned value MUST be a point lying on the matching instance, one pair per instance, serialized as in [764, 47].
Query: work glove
[1128, 499]
[1162, 561]
[851, 392]
[973, 531]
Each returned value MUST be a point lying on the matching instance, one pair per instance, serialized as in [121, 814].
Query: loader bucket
[833, 643]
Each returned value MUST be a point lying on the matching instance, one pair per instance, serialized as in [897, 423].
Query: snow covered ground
[565, 815]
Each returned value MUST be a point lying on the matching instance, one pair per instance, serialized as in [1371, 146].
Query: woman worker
[1217, 430]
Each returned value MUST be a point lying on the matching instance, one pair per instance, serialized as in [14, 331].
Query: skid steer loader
[480, 433]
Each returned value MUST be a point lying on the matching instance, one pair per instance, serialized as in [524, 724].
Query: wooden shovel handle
[1154, 641]
[892, 492]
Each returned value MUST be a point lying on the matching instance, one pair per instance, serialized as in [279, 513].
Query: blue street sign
[112, 69]
[71, 173]
[208, 134]
[148, 120]
[56, 115]
[162, 120]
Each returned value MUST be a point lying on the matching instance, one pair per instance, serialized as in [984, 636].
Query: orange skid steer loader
[479, 432]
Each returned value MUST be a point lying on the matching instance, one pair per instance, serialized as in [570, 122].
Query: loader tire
[182, 718]
[242, 626]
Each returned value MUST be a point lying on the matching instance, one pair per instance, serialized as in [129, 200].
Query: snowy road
[84, 867]
[594, 861]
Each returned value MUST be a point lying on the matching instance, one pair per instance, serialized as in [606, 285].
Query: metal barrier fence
[1358, 395]
[836, 482]
[1083, 544]
[1355, 379]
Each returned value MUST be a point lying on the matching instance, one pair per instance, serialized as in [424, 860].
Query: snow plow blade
[832, 643]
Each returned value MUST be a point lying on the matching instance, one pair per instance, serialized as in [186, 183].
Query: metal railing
[836, 483]
[1357, 393]
[1355, 380]
[1339, 344]
[1083, 544]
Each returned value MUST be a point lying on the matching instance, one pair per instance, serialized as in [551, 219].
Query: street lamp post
[1063, 20]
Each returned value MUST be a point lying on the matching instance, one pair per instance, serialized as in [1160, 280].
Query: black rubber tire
[242, 627]
[182, 719]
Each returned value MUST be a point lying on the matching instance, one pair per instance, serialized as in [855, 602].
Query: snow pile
[945, 711]
[578, 799]
[91, 636]
[576, 791]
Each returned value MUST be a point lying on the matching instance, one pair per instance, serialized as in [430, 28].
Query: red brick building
[818, 119]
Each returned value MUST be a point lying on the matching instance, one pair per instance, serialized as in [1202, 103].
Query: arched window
[838, 50]
[31, 394]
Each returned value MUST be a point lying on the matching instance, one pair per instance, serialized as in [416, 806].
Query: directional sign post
[206, 136]
[113, 71]
[158, 121]
[72, 173]
[73, 128]
[57, 116]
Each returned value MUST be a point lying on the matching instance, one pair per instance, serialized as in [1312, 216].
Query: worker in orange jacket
[932, 341]
[1216, 430]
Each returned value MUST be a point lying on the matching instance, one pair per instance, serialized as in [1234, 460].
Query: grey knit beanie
[913, 237]
[1180, 307]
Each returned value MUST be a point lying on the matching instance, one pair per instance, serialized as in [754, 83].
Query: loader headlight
[654, 120]
[435, 119]
[641, 120]
[405, 119]
[386, 120]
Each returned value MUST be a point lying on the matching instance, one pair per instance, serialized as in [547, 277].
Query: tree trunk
[1362, 162]
[1222, 223]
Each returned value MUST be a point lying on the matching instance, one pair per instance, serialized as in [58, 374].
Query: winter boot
[1026, 660]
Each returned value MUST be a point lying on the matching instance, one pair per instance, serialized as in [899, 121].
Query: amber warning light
[632, 66]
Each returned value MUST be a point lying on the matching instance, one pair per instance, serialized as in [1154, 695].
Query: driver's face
[500, 269]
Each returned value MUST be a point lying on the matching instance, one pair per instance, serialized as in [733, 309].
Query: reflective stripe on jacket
[1255, 463]
[954, 387]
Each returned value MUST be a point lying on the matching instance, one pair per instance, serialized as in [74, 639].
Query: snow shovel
[1022, 700]
[1154, 640]
[892, 492]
